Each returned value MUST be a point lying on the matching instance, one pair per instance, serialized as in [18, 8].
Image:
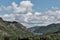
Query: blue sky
[39, 5]
[31, 12]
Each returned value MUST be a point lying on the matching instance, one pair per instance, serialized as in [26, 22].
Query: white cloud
[18, 9]
[27, 4]
[7, 8]
[8, 17]
[38, 13]
[54, 8]
[14, 5]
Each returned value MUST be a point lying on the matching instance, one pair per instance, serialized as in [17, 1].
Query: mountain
[13, 30]
[16, 31]
[52, 28]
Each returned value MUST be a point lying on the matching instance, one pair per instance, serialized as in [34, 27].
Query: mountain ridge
[45, 29]
[13, 29]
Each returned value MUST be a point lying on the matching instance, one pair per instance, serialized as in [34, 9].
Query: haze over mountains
[45, 29]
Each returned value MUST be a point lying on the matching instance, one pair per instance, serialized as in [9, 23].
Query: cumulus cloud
[25, 6]
[8, 17]
[24, 14]
[7, 8]
[17, 9]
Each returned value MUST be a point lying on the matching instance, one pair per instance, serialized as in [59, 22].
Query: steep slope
[45, 29]
[13, 29]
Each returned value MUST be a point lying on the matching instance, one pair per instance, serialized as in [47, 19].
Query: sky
[31, 13]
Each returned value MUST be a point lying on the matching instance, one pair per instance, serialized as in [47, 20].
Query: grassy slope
[13, 29]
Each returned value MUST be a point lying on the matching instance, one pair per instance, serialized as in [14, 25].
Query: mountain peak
[1, 19]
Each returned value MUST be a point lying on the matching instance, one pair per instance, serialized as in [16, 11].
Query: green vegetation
[41, 37]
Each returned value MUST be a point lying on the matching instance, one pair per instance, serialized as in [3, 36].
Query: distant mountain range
[13, 29]
[52, 28]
